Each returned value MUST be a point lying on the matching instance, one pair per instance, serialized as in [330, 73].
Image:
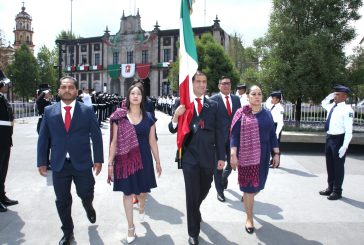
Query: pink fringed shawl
[249, 152]
[127, 159]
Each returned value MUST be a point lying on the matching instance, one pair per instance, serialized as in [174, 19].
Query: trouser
[197, 184]
[221, 176]
[4, 164]
[334, 164]
[279, 142]
[62, 180]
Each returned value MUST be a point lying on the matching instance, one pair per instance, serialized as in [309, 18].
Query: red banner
[143, 70]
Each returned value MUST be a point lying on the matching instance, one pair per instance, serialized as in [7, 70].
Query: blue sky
[249, 18]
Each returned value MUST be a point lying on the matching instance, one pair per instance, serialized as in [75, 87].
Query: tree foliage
[304, 46]
[356, 73]
[212, 60]
[24, 72]
[47, 72]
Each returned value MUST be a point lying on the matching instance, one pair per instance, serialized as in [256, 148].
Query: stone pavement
[288, 211]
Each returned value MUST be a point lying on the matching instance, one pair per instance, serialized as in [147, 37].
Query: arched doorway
[147, 86]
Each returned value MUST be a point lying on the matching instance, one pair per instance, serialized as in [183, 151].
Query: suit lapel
[74, 116]
[58, 113]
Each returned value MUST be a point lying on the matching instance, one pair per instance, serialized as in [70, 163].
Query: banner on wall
[127, 70]
[143, 70]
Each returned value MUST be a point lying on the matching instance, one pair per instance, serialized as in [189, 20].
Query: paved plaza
[289, 211]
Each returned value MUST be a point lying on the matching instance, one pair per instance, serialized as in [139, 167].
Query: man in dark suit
[228, 104]
[6, 132]
[200, 148]
[69, 125]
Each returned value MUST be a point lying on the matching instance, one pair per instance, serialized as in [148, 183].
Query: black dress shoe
[66, 239]
[91, 214]
[249, 230]
[334, 196]
[8, 202]
[221, 197]
[193, 240]
[3, 208]
[326, 192]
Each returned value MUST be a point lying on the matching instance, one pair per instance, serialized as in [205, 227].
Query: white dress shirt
[196, 106]
[64, 114]
[342, 119]
[224, 99]
[277, 112]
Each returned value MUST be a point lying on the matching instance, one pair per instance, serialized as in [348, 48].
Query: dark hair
[198, 73]
[252, 86]
[224, 77]
[137, 81]
[127, 102]
[70, 78]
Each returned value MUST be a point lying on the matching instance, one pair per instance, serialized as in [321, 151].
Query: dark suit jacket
[203, 146]
[76, 142]
[6, 132]
[223, 114]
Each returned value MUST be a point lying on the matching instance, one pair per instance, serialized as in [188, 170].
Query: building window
[97, 47]
[97, 59]
[166, 55]
[129, 57]
[144, 56]
[83, 77]
[97, 76]
[165, 74]
[72, 59]
[84, 59]
[166, 41]
[115, 58]
[83, 48]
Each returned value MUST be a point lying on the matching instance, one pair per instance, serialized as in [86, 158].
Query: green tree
[305, 43]
[356, 73]
[24, 72]
[47, 72]
[66, 35]
[214, 62]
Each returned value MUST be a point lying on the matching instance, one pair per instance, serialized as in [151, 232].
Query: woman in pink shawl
[132, 142]
[252, 139]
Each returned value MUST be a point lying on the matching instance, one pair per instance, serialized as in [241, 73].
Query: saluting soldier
[6, 132]
[339, 129]
[273, 104]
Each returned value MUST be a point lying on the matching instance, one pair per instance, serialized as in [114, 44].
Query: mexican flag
[188, 65]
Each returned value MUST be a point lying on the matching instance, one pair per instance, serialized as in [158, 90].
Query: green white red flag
[188, 65]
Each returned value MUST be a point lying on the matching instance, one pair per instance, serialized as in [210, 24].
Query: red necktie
[228, 105]
[199, 105]
[67, 118]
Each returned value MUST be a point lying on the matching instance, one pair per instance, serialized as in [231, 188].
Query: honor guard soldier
[273, 104]
[43, 100]
[6, 132]
[241, 92]
[339, 129]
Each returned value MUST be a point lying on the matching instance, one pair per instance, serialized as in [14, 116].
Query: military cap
[277, 94]
[342, 88]
[241, 86]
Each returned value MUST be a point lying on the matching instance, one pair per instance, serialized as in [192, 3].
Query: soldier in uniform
[241, 92]
[339, 128]
[273, 104]
[6, 132]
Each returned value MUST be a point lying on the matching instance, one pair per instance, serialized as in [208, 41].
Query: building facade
[109, 63]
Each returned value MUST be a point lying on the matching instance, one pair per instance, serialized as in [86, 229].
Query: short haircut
[224, 77]
[70, 78]
[198, 73]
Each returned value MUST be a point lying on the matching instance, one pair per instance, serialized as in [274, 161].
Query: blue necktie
[327, 123]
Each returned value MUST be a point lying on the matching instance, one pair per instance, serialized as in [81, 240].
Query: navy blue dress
[268, 141]
[143, 180]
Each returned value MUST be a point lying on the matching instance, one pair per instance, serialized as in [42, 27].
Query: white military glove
[342, 151]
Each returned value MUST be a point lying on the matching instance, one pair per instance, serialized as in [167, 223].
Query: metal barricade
[21, 109]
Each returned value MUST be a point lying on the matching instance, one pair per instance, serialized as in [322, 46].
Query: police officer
[43, 100]
[241, 92]
[339, 128]
[6, 132]
[273, 104]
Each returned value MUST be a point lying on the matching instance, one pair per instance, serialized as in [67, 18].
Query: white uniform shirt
[243, 100]
[342, 118]
[86, 98]
[277, 112]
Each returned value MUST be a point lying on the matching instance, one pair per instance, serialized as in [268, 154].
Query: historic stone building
[109, 63]
[23, 31]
